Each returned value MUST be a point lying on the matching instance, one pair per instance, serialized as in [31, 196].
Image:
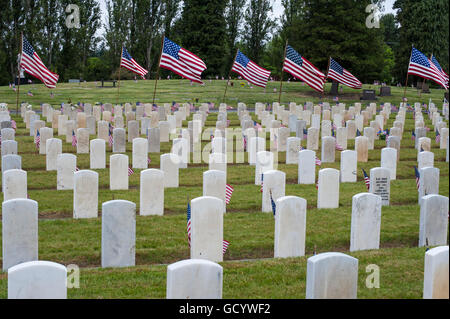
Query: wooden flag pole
[281, 82]
[407, 74]
[229, 75]
[118, 84]
[157, 72]
[18, 73]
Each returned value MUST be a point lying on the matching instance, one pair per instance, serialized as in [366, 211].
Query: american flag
[416, 171]
[228, 192]
[421, 66]
[274, 206]
[149, 160]
[32, 64]
[13, 124]
[74, 139]
[37, 139]
[366, 179]
[262, 182]
[435, 62]
[338, 73]
[130, 171]
[317, 184]
[181, 61]
[250, 70]
[245, 142]
[358, 133]
[29, 93]
[130, 64]
[413, 135]
[438, 137]
[305, 132]
[225, 246]
[318, 161]
[339, 147]
[302, 69]
[189, 223]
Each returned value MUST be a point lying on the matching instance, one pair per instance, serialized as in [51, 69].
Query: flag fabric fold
[33, 65]
[250, 71]
[130, 64]
[423, 67]
[302, 69]
[181, 61]
[338, 73]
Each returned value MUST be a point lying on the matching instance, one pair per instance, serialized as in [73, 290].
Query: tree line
[215, 29]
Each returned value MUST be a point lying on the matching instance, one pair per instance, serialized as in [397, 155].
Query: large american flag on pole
[181, 61]
[130, 64]
[32, 64]
[250, 70]
[420, 65]
[338, 73]
[302, 69]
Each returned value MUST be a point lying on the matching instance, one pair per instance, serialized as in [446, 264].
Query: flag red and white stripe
[421, 66]
[129, 63]
[250, 71]
[338, 73]
[228, 192]
[33, 65]
[181, 61]
[302, 69]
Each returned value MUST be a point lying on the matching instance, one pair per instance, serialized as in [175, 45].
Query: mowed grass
[249, 269]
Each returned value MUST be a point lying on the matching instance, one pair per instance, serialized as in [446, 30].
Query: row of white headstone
[329, 275]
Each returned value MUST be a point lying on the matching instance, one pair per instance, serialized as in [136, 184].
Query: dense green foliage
[317, 29]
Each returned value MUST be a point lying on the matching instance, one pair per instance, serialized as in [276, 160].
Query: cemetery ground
[250, 271]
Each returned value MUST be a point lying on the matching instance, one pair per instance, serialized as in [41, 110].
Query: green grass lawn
[250, 271]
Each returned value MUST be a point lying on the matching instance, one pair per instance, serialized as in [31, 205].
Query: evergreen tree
[203, 31]
[258, 27]
[233, 17]
[337, 28]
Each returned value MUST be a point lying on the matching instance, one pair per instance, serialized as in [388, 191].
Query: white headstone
[328, 193]
[306, 167]
[331, 276]
[97, 154]
[118, 233]
[85, 194]
[366, 222]
[194, 279]
[19, 231]
[118, 172]
[435, 282]
[37, 280]
[152, 182]
[207, 228]
[433, 221]
[290, 227]
[380, 184]
[349, 165]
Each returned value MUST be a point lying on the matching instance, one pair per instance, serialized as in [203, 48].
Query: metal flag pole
[281, 82]
[157, 72]
[18, 73]
[229, 75]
